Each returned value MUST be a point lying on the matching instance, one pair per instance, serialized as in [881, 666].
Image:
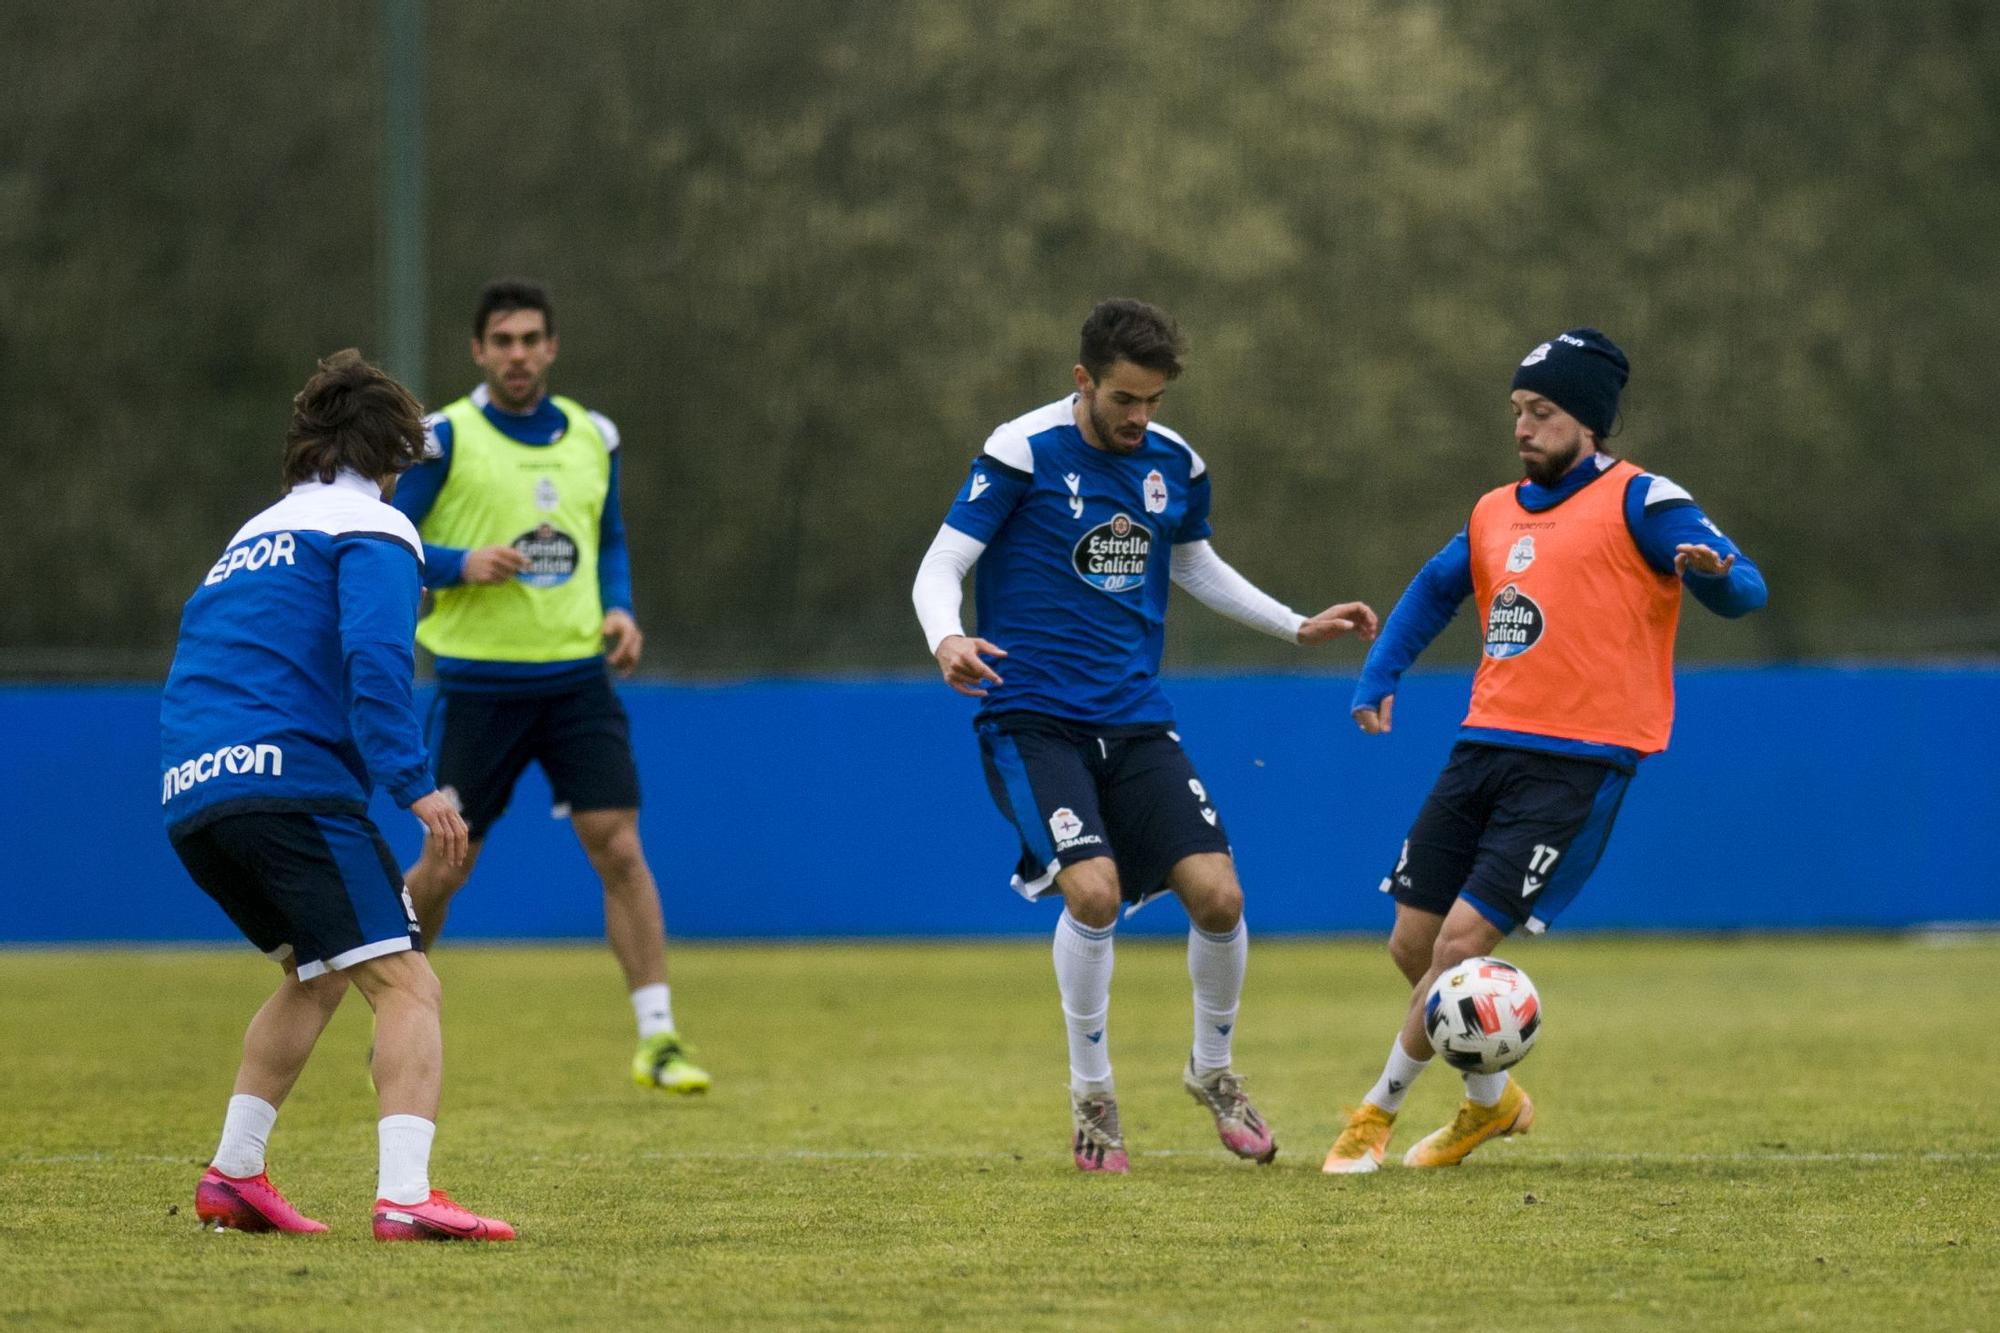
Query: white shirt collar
[347, 479]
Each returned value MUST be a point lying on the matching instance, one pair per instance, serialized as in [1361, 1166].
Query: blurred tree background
[808, 255]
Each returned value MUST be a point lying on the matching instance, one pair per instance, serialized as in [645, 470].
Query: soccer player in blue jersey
[289, 700]
[524, 551]
[1578, 572]
[1078, 515]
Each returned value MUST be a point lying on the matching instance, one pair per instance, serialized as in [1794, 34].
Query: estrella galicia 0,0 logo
[1513, 623]
[551, 556]
[1112, 556]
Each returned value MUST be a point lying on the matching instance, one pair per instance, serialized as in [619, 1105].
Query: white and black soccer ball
[1483, 1015]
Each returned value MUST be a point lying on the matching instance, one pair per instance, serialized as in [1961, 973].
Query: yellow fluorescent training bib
[544, 500]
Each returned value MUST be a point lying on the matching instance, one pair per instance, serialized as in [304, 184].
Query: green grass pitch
[1738, 1133]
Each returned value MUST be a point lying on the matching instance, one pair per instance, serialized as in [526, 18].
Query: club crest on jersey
[1522, 555]
[546, 498]
[1513, 623]
[1540, 354]
[551, 556]
[1156, 492]
[1112, 556]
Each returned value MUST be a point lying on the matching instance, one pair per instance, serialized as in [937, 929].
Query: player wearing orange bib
[1577, 573]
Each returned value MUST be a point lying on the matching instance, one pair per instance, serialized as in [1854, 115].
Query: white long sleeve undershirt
[1214, 582]
[939, 591]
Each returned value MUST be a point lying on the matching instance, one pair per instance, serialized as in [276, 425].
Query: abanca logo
[228, 759]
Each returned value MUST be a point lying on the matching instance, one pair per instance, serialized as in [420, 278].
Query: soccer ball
[1483, 1015]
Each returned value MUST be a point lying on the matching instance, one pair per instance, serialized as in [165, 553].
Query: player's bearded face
[515, 353]
[1115, 434]
[1550, 440]
[1121, 405]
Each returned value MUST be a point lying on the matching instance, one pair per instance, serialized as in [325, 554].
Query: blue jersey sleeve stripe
[390, 537]
[1004, 469]
[1658, 529]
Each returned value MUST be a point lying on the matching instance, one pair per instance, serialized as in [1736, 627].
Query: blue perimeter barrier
[1792, 798]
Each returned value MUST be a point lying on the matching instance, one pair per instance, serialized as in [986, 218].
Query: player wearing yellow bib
[524, 553]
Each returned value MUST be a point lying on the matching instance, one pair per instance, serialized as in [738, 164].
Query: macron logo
[979, 485]
[229, 759]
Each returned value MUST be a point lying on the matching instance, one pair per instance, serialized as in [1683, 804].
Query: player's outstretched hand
[1337, 620]
[622, 641]
[962, 660]
[1375, 721]
[1702, 560]
[492, 564]
[446, 827]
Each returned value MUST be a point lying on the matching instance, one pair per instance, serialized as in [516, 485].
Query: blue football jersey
[1074, 579]
[291, 684]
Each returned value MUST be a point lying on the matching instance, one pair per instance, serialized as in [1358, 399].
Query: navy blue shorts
[1073, 792]
[321, 890]
[581, 738]
[1515, 832]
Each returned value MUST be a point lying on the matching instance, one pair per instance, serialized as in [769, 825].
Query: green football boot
[662, 1062]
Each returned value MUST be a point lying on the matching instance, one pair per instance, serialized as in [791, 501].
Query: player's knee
[404, 977]
[1455, 946]
[620, 858]
[1410, 954]
[325, 990]
[1207, 886]
[611, 841]
[1091, 892]
[1218, 908]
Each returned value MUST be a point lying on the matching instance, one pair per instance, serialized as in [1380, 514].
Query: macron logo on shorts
[229, 759]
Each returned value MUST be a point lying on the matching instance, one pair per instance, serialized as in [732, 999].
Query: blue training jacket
[291, 684]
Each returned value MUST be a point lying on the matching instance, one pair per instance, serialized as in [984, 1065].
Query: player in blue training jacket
[288, 702]
[1078, 515]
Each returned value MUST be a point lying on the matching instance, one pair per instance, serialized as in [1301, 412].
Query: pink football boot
[252, 1204]
[1237, 1123]
[1097, 1143]
[436, 1218]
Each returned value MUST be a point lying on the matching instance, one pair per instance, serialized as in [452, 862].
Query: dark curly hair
[356, 416]
[1127, 330]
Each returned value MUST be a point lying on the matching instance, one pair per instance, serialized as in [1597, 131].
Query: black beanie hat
[1580, 371]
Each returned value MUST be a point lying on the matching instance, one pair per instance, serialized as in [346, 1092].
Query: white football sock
[653, 1006]
[246, 1128]
[1397, 1076]
[1216, 964]
[1083, 976]
[405, 1171]
[1485, 1089]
